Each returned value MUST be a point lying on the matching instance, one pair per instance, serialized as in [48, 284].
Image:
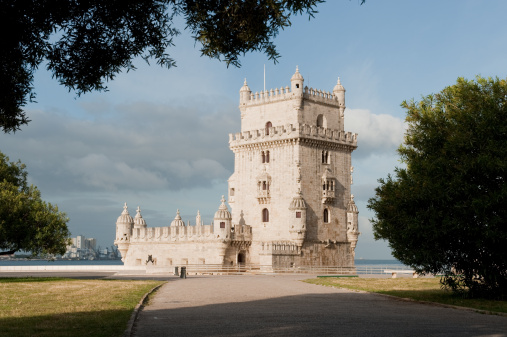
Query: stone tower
[292, 176]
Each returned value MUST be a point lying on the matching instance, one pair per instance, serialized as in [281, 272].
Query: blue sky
[159, 138]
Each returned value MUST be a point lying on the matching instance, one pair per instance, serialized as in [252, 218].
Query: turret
[352, 224]
[139, 222]
[177, 222]
[296, 84]
[244, 96]
[339, 92]
[124, 225]
[298, 219]
[222, 222]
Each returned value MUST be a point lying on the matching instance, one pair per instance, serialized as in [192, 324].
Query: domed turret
[222, 221]
[139, 222]
[244, 94]
[125, 217]
[298, 222]
[124, 225]
[177, 222]
[296, 82]
[352, 223]
[223, 212]
[339, 92]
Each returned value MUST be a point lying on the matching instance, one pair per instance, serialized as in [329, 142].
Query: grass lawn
[421, 289]
[68, 307]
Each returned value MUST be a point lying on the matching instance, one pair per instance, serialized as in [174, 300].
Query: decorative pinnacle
[222, 206]
[338, 82]
[125, 211]
[245, 82]
[178, 217]
[138, 215]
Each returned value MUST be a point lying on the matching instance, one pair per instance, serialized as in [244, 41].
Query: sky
[158, 138]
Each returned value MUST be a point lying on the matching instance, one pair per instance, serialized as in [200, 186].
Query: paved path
[265, 305]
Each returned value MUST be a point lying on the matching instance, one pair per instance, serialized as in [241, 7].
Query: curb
[133, 317]
[436, 304]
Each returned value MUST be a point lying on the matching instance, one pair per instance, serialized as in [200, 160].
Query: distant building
[81, 248]
[289, 194]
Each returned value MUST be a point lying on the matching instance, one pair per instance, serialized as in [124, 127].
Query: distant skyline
[158, 138]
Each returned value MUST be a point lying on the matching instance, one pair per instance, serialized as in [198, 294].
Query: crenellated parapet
[335, 98]
[173, 234]
[293, 131]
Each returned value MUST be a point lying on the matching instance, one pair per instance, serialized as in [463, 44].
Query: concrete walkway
[265, 305]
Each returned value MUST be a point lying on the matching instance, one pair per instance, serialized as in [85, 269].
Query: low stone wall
[73, 268]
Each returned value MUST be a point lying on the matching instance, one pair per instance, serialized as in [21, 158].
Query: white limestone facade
[290, 198]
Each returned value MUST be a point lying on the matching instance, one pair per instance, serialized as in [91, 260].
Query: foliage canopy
[26, 221]
[85, 43]
[445, 213]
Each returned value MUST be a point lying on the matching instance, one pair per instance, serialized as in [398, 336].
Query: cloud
[377, 134]
[139, 146]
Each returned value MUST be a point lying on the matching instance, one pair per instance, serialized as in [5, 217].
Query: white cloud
[377, 134]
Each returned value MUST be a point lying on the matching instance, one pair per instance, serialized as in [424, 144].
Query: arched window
[264, 186]
[267, 156]
[321, 121]
[268, 125]
[263, 157]
[326, 216]
[265, 215]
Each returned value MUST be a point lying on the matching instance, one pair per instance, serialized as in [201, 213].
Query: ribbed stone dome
[245, 87]
[125, 217]
[138, 220]
[352, 208]
[297, 75]
[338, 86]
[223, 213]
[298, 202]
[177, 222]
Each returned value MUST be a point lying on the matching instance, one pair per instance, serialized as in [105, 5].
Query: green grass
[421, 289]
[68, 307]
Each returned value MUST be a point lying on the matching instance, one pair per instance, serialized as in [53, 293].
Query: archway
[241, 258]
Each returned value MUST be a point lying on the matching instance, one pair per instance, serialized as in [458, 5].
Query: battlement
[291, 131]
[187, 233]
[283, 94]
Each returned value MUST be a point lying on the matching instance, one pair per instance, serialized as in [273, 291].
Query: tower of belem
[290, 198]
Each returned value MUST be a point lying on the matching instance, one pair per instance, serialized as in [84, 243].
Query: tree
[85, 43]
[26, 221]
[445, 213]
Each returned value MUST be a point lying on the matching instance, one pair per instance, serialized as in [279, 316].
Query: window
[321, 121]
[231, 193]
[268, 125]
[265, 215]
[326, 216]
[325, 157]
[267, 156]
[222, 224]
[298, 215]
[263, 157]
[265, 186]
